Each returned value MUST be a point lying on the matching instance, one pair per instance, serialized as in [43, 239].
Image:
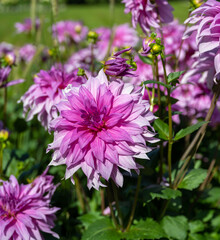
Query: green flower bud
[81, 72]
[78, 29]
[4, 135]
[92, 37]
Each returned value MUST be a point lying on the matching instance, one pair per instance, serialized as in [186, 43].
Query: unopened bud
[156, 48]
[4, 135]
[92, 37]
[81, 72]
[197, 3]
[78, 29]
[10, 58]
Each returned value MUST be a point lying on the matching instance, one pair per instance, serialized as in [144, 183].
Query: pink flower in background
[27, 52]
[102, 127]
[26, 26]
[124, 36]
[46, 92]
[175, 46]
[194, 101]
[205, 24]
[149, 13]
[67, 31]
[80, 59]
[25, 210]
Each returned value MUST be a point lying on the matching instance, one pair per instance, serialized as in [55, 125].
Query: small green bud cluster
[156, 47]
[81, 72]
[92, 37]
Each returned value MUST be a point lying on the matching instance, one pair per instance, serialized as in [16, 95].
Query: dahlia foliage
[129, 116]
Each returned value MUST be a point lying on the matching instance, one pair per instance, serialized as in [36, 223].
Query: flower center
[9, 206]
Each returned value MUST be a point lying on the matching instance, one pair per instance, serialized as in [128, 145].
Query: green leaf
[162, 128]
[100, 230]
[174, 76]
[186, 131]
[145, 229]
[89, 218]
[161, 192]
[196, 226]
[156, 82]
[175, 227]
[146, 60]
[216, 222]
[213, 196]
[193, 179]
[195, 236]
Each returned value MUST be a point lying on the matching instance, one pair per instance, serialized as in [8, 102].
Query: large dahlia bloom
[46, 92]
[25, 210]
[149, 13]
[101, 128]
[205, 22]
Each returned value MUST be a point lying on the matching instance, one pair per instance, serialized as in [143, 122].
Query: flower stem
[170, 142]
[5, 105]
[79, 194]
[115, 192]
[109, 194]
[33, 17]
[134, 204]
[1, 160]
[194, 145]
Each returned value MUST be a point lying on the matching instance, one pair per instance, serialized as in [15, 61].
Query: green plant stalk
[170, 142]
[1, 160]
[33, 17]
[115, 192]
[134, 204]
[109, 195]
[79, 194]
[159, 105]
[5, 105]
[194, 145]
[92, 59]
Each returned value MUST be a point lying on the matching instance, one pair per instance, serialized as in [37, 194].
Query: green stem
[115, 192]
[5, 105]
[170, 142]
[79, 194]
[92, 59]
[1, 160]
[194, 145]
[33, 17]
[134, 204]
[109, 194]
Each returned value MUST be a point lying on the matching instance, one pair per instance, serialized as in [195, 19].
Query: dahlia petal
[111, 154]
[117, 177]
[98, 148]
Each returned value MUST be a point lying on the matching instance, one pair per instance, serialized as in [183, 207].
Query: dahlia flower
[205, 23]
[25, 210]
[124, 36]
[5, 48]
[102, 127]
[117, 66]
[80, 59]
[26, 26]
[27, 52]
[149, 13]
[66, 31]
[46, 92]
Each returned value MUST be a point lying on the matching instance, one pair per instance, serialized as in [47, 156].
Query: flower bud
[81, 72]
[78, 29]
[196, 3]
[4, 135]
[156, 48]
[92, 37]
[10, 58]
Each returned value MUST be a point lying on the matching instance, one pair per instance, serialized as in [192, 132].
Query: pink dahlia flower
[67, 31]
[27, 52]
[149, 13]
[124, 36]
[26, 26]
[46, 92]
[205, 22]
[102, 127]
[25, 210]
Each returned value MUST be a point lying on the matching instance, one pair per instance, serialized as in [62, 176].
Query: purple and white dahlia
[205, 22]
[102, 127]
[149, 13]
[46, 92]
[25, 210]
